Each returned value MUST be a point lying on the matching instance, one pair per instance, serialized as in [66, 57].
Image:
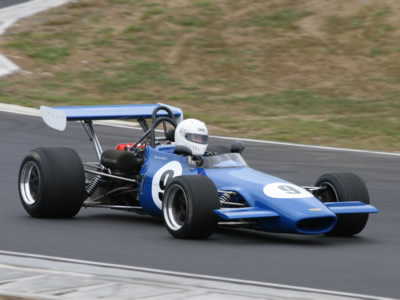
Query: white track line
[190, 275]
[15, 109]
[7, 66]
[11, 14]
[310, 146]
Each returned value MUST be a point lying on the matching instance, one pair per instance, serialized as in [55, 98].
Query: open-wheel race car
[173, 173]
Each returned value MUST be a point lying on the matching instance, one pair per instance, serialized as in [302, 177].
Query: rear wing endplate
[57, 117]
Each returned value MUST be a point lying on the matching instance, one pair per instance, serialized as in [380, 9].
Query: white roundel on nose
[284, 190]
[160, 180]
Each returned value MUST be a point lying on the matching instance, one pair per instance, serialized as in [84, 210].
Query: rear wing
[57, 117]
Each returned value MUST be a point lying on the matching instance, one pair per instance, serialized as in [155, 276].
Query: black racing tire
[343, 187]
[52, 183]
[188, 206]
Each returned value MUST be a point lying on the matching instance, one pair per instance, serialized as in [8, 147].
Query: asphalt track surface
[5, 3]
[366, 264]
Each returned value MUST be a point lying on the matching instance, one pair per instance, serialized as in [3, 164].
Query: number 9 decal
[284, 190]
[161, 179]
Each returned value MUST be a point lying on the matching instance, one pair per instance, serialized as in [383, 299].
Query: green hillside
[308, 71]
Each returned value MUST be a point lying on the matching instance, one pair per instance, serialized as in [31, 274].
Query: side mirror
[182, 150]
[237, 147]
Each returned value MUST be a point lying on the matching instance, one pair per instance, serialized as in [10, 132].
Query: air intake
[316, 225]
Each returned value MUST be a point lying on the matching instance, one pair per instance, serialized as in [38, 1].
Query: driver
[192, 134]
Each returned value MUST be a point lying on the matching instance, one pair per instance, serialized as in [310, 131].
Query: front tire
[52, 183]
[343, 187]
[188, 206]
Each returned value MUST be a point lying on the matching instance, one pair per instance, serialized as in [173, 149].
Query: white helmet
[193, 134]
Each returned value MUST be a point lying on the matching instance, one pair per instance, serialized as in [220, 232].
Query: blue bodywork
[275, 204]
[108, 112]
[271, 203]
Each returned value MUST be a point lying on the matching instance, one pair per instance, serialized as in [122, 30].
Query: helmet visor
[197, 138]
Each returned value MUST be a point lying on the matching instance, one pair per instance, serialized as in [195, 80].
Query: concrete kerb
[44, 277]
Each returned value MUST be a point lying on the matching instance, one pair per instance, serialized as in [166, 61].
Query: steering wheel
[170, 119]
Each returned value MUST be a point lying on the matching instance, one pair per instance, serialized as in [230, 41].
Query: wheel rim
[30, 183]
[329, 194]
[175, 212]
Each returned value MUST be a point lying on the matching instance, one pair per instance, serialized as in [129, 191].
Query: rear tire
[188, 206]
[52, 183]
[343, 187]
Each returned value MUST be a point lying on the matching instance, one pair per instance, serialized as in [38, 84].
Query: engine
[121, 161]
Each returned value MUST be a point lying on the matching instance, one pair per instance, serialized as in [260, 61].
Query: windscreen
[227, 160]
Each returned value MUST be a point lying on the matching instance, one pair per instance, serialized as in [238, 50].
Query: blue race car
[174, 174]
